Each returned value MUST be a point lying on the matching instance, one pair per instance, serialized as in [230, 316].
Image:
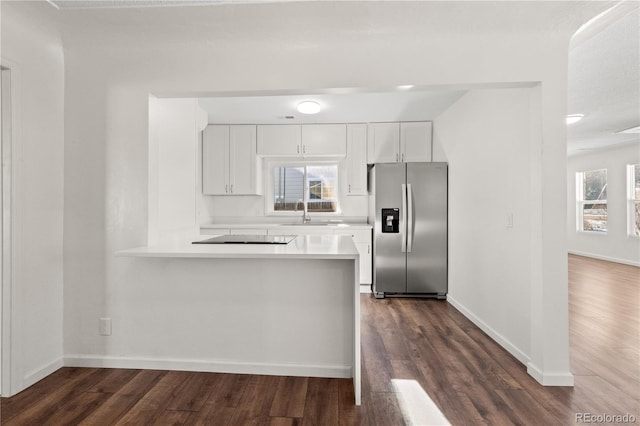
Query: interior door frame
[10, 343]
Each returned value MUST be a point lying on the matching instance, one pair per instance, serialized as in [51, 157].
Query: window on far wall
[321, 188]
[633, 176]
[591, 188]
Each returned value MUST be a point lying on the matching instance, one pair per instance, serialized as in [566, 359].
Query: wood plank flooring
[415, 353]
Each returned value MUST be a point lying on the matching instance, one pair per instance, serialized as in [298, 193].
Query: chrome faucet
[305, 214]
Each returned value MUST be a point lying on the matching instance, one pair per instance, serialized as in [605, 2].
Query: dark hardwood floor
[408, 346]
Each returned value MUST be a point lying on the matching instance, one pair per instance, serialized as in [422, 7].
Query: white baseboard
[212, 366]
[607, 258]
[561, 379]
[40, 373]
[499, 338]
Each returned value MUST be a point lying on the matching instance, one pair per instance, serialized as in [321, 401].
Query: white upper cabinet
[245, 171]
[356, 163]
[415, 141]
[279, 140]
[399, 142]
[215, 160]
[229, 162]
[324, 140]
[384, 142]
[302, 141]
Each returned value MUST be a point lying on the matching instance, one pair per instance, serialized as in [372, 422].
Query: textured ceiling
[604, 85]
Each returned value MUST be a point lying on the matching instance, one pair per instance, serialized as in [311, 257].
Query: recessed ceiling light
[630, 130]
[309, 107]
[574, 118]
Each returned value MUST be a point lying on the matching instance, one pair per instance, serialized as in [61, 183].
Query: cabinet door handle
[349, 188]
[226, 188]
[231, 189]
[403, 157]
[368, 249]
[304, 149]
[396, 157]
[298, 149]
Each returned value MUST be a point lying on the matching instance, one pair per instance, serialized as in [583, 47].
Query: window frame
[581, 202]
[632, 200]
[270, 164]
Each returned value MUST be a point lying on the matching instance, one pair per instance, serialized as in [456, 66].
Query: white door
[279, 140]
[324, 140]
[242, 160]
[356, 159]
[384, 142]
[215, 160]
[415, 141]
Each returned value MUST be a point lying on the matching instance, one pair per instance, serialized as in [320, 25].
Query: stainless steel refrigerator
[408, 208]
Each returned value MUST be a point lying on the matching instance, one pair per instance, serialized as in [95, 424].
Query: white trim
[607, 258]
[35, 376]
[212, 366]
[499, 338]
[557, 379]
[12, 244]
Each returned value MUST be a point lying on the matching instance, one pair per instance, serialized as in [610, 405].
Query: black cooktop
[248, 239]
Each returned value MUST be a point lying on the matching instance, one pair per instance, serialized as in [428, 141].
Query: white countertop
[302, 247]
[296, 225]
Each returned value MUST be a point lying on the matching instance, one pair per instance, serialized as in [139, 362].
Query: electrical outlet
[105, 326]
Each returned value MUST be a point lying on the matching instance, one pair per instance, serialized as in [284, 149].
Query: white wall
[615, 245]
[32, 49]
[486, 139]
[113, 64]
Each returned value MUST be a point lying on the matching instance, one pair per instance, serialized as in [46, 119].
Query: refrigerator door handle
[409, 218]
[403, 229]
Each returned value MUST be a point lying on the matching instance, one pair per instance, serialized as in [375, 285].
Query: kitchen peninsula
[278, 309]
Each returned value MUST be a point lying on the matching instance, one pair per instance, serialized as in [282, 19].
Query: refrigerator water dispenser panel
[390, 221]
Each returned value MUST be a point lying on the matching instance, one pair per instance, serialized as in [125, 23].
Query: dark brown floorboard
[469, 377]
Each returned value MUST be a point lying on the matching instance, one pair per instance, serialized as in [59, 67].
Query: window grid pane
[322, 184]
[592, 201]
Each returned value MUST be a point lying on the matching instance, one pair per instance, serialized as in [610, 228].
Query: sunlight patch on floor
[418, 409]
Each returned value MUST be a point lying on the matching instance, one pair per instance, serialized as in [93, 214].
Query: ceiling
[604, 82]
[604, 65]
[403, 104]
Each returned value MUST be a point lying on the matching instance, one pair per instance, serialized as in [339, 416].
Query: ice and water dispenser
[391, 221]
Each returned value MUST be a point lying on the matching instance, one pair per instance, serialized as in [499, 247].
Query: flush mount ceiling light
[309, 107]
[574, 118]
[635, 129]
[405, 87]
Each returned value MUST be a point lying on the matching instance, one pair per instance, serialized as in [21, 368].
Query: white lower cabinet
[364, 250]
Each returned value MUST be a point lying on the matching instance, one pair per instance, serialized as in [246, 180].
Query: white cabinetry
[415, 141]
[324, 140]
[279, 140]
[356, 163]
[229, 162]
[362, 240]
[399, 142]
[384, 142]
[302, 141]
